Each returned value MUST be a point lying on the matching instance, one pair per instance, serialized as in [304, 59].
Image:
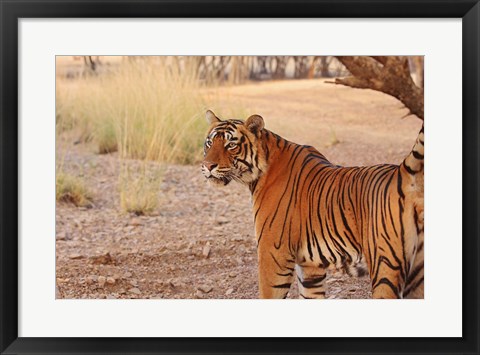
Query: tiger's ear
[255, 123]
[211, 118]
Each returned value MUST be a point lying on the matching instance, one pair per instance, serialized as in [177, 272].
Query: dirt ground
[200, 243]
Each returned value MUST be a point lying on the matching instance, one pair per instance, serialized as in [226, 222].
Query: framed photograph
[214, 176]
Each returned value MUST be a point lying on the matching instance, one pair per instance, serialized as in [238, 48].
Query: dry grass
[72, 189]
[144, 109]
[139, 188]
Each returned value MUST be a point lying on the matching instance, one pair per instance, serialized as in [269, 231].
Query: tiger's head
[233, 150]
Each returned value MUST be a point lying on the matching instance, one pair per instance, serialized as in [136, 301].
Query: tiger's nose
[209, 165]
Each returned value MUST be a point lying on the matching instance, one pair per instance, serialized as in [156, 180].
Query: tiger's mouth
[217, 177]
[219, 180]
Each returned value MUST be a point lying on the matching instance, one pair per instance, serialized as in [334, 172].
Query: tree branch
[390, 75]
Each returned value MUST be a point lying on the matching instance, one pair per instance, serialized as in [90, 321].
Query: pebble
[110, 281]
[206, 250]
[127, 275]
[101, 281]
[111, 297]
[229, 292]
[232, 274]
[135, 291]
[222, 220]
[102, 259]
[76, 256]
[136, 222]
[91, 279]
[198, 294]
[205, 288]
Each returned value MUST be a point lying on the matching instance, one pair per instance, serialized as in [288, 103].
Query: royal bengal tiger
[312, 215]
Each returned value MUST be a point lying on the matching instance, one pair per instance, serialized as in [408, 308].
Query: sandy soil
[200, 242]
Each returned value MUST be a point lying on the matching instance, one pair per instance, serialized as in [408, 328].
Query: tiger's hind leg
[387, 280]
[311, 281]
[414, 286]
[275, 274]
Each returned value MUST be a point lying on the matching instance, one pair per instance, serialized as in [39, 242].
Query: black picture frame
[12, 11]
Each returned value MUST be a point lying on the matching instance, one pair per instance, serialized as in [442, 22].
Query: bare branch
[390, 75]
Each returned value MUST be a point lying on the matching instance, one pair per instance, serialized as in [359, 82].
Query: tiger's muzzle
[212, 173]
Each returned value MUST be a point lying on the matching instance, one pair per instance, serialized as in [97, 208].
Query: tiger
[312, 216]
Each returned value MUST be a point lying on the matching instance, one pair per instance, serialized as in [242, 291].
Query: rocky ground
[200, 243]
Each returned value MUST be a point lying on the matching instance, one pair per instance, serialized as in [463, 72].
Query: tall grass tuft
[139, 188]
[72, 189]
[146, 109]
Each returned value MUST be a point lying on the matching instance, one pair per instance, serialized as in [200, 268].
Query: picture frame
[11, 12]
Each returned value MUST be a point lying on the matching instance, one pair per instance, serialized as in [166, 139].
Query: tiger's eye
[231, 145]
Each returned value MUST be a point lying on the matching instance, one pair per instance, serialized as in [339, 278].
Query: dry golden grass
[72, 189]
[139, 188]
[143, 109]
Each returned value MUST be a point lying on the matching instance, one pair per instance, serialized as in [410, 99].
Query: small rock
[134, 283]
[222, 220]
[127, 275]
[76, 256]
[89, 280]
[205, 288]
[237, 239]
[101, 281]
[229, 292]
[232, 274]
[135, 222]
[206, 250]
[331, 280]
[198, 294]
[135, 291]
[110, 281]
[111, 297]
[102, 259]
[61, 236]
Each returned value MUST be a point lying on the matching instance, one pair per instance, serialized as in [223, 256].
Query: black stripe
[287, 285]
[409, 169]
[312, 282]
[417, 155]
[385, 281]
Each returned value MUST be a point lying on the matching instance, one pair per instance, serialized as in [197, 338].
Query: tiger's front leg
[311, 281]
[275, 272]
